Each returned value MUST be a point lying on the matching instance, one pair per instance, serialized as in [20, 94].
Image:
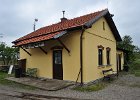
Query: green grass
[137, 73]
[135, 68]
[3, 81]
[138, 60]
[95, 87]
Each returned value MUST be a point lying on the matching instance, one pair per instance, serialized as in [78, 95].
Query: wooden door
[57, 65]
[22, 65]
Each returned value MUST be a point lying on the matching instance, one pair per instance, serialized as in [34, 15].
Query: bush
[135, 65]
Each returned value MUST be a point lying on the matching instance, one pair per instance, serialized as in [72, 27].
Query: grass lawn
[3, 81]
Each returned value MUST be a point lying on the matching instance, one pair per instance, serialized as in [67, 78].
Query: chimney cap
[63, 13]
[63, 18]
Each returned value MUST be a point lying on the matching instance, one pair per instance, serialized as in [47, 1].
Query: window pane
[58, 57]
[108, 57]
[100, 56]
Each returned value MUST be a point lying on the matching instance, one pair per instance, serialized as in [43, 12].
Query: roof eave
[113, 27]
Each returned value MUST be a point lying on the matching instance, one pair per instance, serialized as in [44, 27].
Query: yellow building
[72, 49]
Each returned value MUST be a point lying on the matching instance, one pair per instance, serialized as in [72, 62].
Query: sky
[17, 16]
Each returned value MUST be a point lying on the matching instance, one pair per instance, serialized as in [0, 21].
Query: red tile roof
[37, 39]
[48, 32]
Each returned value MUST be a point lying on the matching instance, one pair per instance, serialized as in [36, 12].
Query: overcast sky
[17, 16]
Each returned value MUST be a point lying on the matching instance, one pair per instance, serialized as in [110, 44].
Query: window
[108, 55]
[100, 56]
[58, 57]
[103, 25]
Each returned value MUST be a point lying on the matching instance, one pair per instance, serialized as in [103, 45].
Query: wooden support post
[63, 45]
[43, 50]
[26, 51]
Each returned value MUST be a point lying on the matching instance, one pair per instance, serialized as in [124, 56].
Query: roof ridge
[88, 14]
[70, 19]
[75, 17]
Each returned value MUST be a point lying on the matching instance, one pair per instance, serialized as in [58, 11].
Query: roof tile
[48, 32]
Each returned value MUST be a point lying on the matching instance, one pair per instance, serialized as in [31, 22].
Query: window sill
[101, 66]
[108, 65]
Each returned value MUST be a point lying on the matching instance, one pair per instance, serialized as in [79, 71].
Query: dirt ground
[126, 87]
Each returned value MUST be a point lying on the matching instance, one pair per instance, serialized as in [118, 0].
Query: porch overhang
[40, 44]
[39, 41]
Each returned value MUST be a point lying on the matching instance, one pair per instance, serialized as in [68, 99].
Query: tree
[126, 44]
[8, 54]
[137, 49]
[2, 56]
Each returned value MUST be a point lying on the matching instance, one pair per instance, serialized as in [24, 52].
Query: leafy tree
[126, 44]
[137, 49]
[2, 56]
[8, 54]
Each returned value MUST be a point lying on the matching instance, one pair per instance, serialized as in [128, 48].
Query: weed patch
[94, 87]
[137, 73]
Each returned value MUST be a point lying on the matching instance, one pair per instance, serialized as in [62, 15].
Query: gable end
[110, 22]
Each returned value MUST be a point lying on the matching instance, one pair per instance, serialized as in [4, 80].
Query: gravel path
[126, 87]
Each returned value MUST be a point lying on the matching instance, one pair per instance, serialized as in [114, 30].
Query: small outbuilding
[73, 49]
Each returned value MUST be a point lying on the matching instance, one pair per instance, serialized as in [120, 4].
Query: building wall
[43, 62]
[38, 60]
[94, 37]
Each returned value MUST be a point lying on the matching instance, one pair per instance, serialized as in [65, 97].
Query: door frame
[119, 57]
[120, 62]
[54, 66]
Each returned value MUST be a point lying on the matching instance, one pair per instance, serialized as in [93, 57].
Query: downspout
[81, 54]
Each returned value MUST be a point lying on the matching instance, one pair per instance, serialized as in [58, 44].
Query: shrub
[135, 65]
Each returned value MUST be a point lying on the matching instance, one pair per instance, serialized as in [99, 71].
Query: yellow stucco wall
[71, 62]
[122, 58]
[38, 60]
[94, 37]
[44, 63]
